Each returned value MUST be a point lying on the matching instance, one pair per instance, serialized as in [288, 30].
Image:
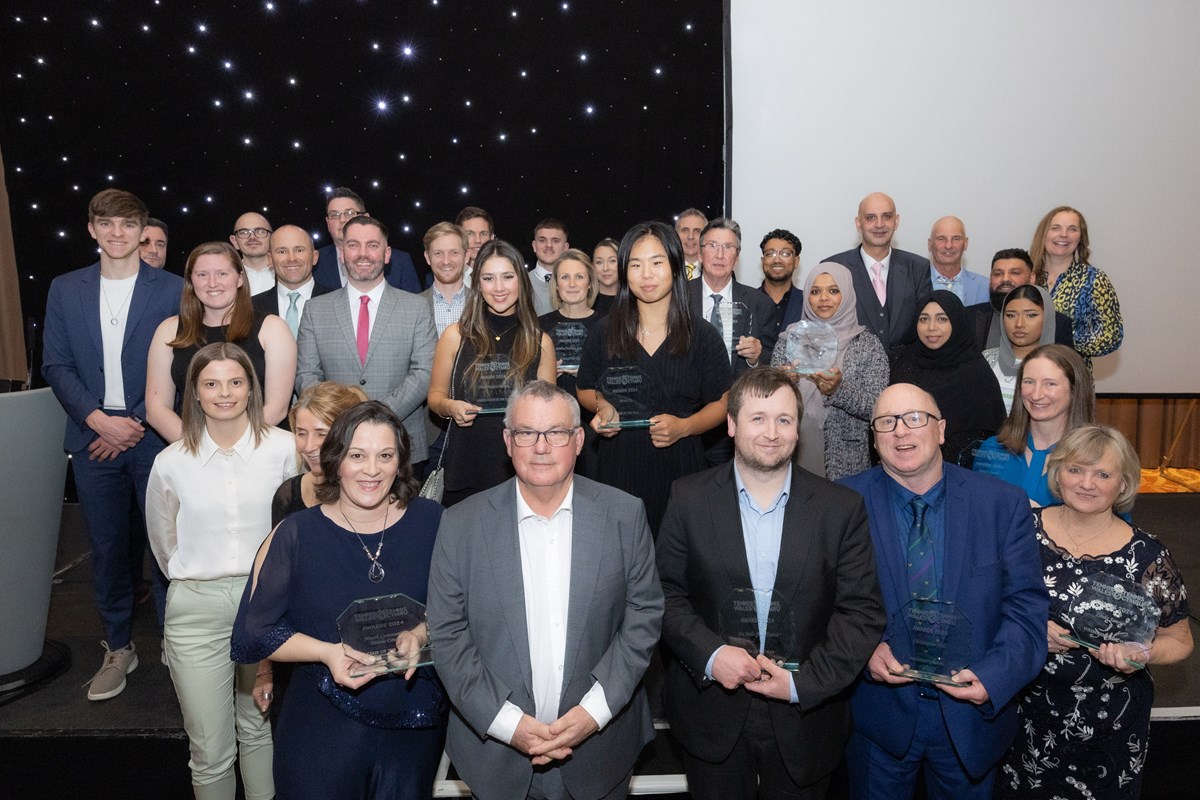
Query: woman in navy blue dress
[338, 736]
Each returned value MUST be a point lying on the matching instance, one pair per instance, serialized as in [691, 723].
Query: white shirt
[372, 307]
[546, 575]
[207, 513]
[260, 280]
[116, 295]
[282, 292]
[726, 309]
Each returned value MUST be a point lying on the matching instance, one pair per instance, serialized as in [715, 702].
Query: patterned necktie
[364, 328]
[292, 315]
[878, 282]
[547, 279]
[692, 270]
[921, 576]
[715, 316]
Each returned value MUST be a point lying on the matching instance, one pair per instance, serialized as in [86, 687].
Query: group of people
[629, 476]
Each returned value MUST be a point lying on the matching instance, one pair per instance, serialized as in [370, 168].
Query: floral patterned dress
[1083, 726]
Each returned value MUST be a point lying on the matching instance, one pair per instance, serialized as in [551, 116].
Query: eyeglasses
[717, 247]
[785, 253]
[349, 213]
[912, 420]
[257, 233]
[554, 438]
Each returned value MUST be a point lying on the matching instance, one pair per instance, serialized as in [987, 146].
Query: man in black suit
[292, 258]
[1011, 268]
[887, 281]
[342, 206]
[745, 317]
[755, 556]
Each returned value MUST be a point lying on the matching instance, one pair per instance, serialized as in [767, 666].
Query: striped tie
[921, 578]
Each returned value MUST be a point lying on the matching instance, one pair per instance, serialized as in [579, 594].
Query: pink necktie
[364, 328]
[877, 282]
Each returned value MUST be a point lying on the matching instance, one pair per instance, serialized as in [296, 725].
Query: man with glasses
[888, 282]
[544, 607]
[341, 206]
[794, 551]
[252, 238]
[966, 541]
[780, 257]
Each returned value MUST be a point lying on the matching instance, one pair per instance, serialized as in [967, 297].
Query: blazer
[73, 349]
[765, 318]
[907, 282]
[981, 315]
[268, 302]
[399, 271]
[826, 574]
[399, 357]
[992, 571]
[477, 627]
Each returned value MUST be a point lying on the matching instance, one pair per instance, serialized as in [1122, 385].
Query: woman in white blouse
[208, 508]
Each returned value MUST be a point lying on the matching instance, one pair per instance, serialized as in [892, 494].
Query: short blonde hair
[573, 254]
[1087, 445]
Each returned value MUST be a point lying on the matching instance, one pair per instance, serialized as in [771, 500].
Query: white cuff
[504, 726]
[596, 704]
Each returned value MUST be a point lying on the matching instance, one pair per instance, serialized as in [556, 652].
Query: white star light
[514, 13]
[62, 234]
[407, 228]
[589, 110]
[249, 95]
[202, 28]
[33, 206]
[583, 56]
[146, 28]
[375, 184]
[208, 198]
[184, 209]
[246, 140]
[402, 156]
[504, 137]
[374, 45]
[407, 50]
[381, 105]
[191, 49]
[95, 22]
[687, 27]
[468, 104]
[406, 98]
[462, 189]
[270, 6]
[296, 145]
[292, 81]
[217, 103]
[658, 70]
[228, 64]
[417, 203]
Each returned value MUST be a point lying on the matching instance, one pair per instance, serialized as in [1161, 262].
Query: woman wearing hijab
[1022, 322]
[944, 362]
[835, 439]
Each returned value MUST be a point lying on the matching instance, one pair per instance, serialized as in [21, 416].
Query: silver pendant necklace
[375, 573]
[114, 318]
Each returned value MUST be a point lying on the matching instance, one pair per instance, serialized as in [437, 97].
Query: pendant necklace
[115, 318]
[375, 573]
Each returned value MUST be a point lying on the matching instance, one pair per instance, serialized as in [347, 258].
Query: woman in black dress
[680, 370]
[216, 308]
[495, 346]
[944, 362]
[604, 259]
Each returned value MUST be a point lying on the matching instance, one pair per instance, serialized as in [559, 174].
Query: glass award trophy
[740, 616]
[568, 344]
[631, 392]
[811, 346]
[1105, 608]
[932, 637]
[492, 388]
[385, 628]
[743, 324]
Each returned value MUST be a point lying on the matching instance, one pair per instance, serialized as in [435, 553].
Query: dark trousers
[754, 770]
[106, 491]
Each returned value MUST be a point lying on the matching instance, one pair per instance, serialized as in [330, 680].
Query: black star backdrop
[599, 112]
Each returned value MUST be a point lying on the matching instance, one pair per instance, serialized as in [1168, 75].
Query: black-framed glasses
[257, 233]
[349, 213]
[785, 253]
[555, 438]
[912, 420]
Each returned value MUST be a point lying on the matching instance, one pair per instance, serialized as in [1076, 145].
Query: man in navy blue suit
[887, 281]
[342, 206]
[99, 323]
[947, 534]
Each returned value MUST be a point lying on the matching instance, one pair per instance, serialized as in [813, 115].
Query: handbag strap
[446, 441]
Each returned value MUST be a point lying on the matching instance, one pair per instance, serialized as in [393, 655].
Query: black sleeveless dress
[182, 356]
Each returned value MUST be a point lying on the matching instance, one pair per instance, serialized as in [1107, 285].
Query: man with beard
[780, 257]
[761, 563]
[370, 334]
[1010, 268]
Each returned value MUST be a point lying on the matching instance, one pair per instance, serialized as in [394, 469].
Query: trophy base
[922, 676]
[631, 423]
[486, 411]
[1093, 646]
[385, 666]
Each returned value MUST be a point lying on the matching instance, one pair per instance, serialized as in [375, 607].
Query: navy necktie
[922, 580]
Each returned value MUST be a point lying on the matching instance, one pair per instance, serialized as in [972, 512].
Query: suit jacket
[827, 575]
[763, 326]
[399, 271]
[981, 316]
[993, 573]
[399, 357]
[477, 625]
[73, 349]
[907, 282]
[268, 302]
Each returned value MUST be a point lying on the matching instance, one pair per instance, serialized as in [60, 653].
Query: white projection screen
[995, 112]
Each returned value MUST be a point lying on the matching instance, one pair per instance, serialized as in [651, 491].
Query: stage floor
[43, 734]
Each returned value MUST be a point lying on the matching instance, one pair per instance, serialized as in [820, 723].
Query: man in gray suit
[544, 606]
[370, 334]
[887, 281]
